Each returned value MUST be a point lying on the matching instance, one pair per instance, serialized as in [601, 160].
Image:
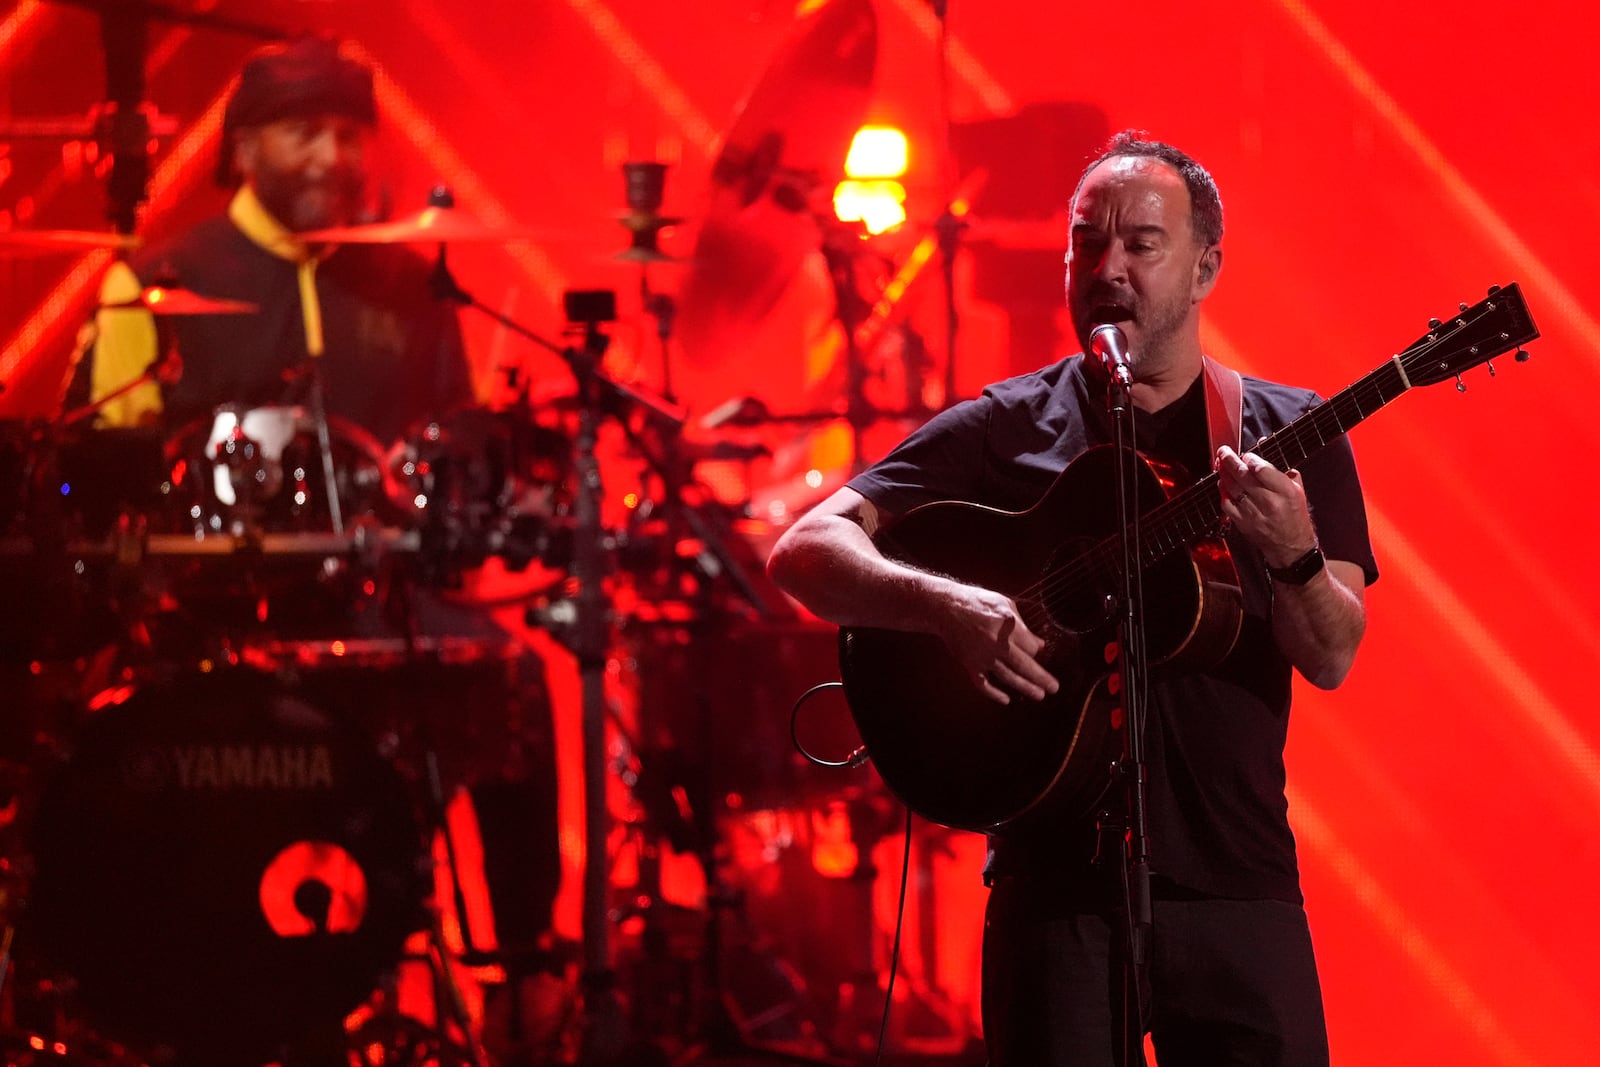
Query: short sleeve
[940, 460]
[1333, 491]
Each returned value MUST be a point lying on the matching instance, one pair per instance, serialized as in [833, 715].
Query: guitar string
[1198, 505]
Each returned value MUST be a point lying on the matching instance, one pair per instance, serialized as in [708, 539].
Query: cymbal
[787, 145]
[44, 242]
[441, 225]
[161, 300]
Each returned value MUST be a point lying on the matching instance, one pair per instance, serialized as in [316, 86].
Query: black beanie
[296, 80]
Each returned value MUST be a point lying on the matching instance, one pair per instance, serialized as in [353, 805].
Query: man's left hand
[1266, 505]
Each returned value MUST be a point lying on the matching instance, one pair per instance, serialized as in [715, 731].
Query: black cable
[894, 953]
[855, 759]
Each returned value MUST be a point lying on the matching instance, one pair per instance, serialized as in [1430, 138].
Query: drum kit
[239, 674]
[234, 726]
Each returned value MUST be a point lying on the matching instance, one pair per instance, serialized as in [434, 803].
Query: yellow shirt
[127, 341]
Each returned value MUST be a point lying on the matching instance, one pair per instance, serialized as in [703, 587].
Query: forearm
[829, 564]
[1319, 625]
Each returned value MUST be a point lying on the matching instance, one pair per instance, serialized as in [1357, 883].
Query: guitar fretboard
[1195, 513]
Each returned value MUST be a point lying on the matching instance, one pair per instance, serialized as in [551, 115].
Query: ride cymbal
[431, 225]
[787, 144]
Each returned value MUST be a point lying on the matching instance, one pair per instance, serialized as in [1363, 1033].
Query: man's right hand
[827, 560]
[985, 632]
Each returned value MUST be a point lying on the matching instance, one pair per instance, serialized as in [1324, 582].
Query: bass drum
[221, 868]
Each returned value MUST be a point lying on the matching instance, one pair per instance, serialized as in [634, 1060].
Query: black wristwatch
[1301, 570]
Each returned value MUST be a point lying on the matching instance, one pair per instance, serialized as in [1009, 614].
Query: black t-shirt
[1214, 740]
[393, 352]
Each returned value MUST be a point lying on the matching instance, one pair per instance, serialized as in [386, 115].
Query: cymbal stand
[840, 246]
[449, 1004]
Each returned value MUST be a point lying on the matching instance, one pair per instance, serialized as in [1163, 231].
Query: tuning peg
[1493, 289]
[1490, 365]
[1523, 355]
[1434, 324]
[1461, 386]
[1463, 305]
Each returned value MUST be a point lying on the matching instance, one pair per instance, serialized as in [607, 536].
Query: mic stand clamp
[1131, 770]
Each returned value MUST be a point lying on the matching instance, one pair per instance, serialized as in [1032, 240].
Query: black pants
[1231, 982]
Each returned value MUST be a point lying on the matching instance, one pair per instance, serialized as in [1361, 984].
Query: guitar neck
[1196, 513]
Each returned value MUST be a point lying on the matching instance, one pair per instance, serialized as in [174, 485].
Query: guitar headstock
[1498, 323]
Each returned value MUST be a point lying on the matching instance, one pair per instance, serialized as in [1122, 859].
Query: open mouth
[1103, 313]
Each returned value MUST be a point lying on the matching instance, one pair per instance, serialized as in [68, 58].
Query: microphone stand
[1131, 768]
[604, 1037]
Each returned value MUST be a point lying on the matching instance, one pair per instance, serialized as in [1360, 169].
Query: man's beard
[301, 205]
[1157, 323]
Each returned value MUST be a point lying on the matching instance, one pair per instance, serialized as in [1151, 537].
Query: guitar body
[959, 759]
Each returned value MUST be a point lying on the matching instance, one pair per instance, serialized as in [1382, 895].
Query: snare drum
[222, 866]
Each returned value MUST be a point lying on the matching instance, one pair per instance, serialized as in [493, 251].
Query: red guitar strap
[1224, 405]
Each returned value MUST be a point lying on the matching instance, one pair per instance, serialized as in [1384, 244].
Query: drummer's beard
[303, 203]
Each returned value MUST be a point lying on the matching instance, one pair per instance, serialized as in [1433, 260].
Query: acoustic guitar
[957, 758]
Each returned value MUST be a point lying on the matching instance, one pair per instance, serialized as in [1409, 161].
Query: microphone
[1107, 342]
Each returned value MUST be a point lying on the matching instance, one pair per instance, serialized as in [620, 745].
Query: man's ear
[246, 149]
[1206, 271]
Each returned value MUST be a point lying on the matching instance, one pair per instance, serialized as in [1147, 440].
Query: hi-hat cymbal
[45, 242]
[646, 255]
[163, 300]
[787, 145]
[431, 225]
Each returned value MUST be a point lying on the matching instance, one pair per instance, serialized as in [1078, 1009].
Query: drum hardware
[125, 124]
[476, 483]
[441, 222]
[165, 302]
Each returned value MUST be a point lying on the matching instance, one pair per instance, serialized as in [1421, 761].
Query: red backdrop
[1379, 162]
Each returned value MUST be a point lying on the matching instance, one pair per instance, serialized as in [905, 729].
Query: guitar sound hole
[1075, 593]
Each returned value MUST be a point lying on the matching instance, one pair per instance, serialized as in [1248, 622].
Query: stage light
[870, 194]
[879, 205]
[877, 152]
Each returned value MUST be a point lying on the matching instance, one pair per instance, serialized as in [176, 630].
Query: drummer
[294, 141]
[293, 150]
